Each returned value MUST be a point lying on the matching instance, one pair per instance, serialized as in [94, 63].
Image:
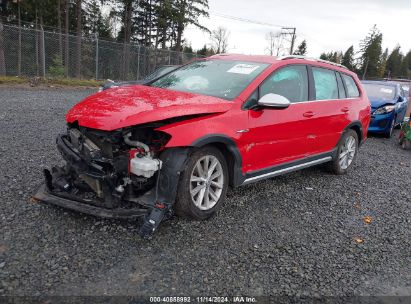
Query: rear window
[379, 91]
[341, 89]
[325, 84]
[352, 89]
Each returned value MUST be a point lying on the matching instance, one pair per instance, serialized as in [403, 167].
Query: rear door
[331, 108]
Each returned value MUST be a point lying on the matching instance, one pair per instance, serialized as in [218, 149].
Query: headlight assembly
[384, 110]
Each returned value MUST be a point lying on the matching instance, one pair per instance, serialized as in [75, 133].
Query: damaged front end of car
[125, 174]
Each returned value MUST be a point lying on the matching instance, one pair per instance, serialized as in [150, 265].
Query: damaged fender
[163, 195]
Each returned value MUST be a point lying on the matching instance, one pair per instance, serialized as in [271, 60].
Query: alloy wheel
[347, 152]
[206, 182]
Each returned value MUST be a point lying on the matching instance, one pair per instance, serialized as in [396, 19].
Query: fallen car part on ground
[115, 175]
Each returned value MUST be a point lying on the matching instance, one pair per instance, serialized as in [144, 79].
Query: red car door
[332, 108]
[281, 135]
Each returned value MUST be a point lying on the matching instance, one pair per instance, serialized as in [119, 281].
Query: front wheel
[391, 130]
[346, 153]
[203, 185]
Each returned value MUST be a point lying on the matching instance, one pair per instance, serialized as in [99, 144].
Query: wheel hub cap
[347, 152]
[206, 182]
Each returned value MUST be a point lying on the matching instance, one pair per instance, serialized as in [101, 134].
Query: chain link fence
[30, 52]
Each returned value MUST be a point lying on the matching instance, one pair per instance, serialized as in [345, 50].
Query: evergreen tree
[301, 49]
[164, 21]
[95, 22]
[187, 12]
[394, 63]
[143, 22]
[324, 56]
[408, 59]
[371, 52]
[332, 56]
[403, 69]
[348, 58]
[188, 49]
[383, 64]
[406, 65]
[205, 51]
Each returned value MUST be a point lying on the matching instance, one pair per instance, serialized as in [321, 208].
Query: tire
[337, 166]
[193, 185]
[392, 127]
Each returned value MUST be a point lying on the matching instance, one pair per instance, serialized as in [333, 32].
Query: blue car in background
[389, 103]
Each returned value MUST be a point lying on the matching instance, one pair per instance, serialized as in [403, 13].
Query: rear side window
[325, 84]
[352, 90]
[290, 82]
[341, 90]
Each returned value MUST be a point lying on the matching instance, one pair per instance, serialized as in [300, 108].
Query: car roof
[240, 57]
[273, 59]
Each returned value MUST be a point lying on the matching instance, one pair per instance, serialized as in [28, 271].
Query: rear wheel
[346, 153]
[203, 185]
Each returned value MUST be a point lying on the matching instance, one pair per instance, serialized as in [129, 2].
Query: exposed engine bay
[125, 173]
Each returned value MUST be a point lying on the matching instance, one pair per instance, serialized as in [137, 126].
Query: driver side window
[290, 82]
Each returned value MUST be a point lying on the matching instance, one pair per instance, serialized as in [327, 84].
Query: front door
[281, 136]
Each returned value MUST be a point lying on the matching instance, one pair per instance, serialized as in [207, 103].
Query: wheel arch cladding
[357, 127]
[231, 153]
[165, 191]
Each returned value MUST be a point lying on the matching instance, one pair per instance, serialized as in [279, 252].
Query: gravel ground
[291, 235]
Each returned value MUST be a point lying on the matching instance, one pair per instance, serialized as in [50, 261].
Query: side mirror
[400, 99]
[274, 101]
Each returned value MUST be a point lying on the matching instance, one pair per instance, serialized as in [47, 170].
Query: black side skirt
[288, 167]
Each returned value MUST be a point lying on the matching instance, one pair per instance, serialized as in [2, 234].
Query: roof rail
[311, 59]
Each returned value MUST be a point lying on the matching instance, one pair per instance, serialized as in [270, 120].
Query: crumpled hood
[377, 102]
[132, 105]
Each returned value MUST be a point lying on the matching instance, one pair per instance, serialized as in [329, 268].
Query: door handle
[345, 110]
[308, 114]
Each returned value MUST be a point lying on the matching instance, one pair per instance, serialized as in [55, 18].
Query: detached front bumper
[64, 187]
[44, 194]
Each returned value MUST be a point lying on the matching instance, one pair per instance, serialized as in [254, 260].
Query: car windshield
[220, 78]
[379, 91]
[160, 71]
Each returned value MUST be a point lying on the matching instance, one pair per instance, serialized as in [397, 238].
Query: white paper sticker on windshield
[384, 90]
[243, 68]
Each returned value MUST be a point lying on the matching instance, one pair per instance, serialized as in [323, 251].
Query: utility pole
[96, 38]
[292, 42]
[66, 53]
[289, 31]
[19, 50]
[2, 57]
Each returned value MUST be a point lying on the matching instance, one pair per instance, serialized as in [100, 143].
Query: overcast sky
[326, 25]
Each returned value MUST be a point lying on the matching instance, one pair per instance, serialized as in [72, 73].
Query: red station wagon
[176, 143]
